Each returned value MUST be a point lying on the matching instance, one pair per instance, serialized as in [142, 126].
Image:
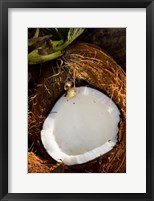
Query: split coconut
[81, 128]
[100, 73]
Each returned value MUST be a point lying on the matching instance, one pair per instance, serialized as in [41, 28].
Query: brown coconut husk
[38, 165]
[91, 67]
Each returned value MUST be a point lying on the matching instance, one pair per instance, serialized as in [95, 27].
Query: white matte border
[134, 181]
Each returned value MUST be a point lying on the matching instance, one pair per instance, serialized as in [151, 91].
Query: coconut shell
[90, 66]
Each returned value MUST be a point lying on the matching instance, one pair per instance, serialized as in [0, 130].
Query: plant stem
[35, 58]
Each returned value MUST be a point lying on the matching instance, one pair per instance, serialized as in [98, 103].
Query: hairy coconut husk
[37, 165]
[89, 66]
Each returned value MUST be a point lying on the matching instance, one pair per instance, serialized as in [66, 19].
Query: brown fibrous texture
[38, 165]
[86, 64]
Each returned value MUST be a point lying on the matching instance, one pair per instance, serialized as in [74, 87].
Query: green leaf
[36, 33]
[56, 43]
[54, 31]
[40, 47]
[74, 33]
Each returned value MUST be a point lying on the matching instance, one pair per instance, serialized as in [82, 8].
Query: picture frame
[4, 6]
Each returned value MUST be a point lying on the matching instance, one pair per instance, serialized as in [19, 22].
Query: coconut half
[82, 128]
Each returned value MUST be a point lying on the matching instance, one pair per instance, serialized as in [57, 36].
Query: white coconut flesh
[82, 128]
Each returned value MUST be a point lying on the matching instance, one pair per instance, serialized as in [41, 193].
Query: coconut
[89, 66]
[82, 127]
